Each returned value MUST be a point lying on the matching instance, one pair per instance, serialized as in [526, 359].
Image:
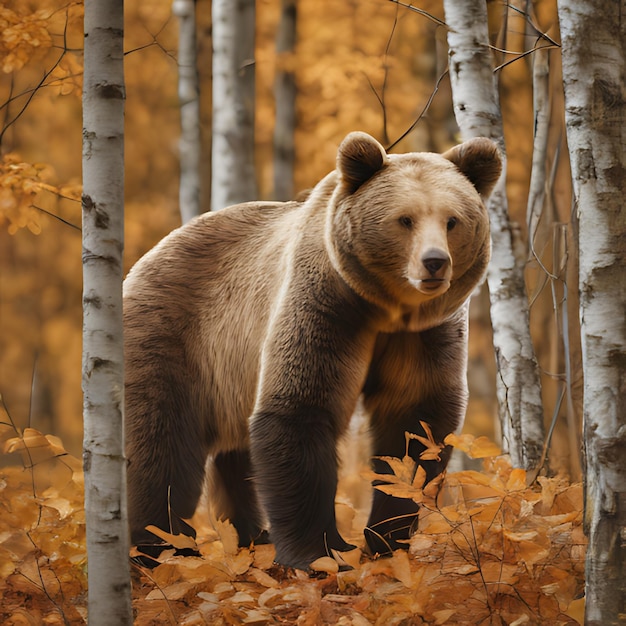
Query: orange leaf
[402, 491]
[517, 480]
[178, 541]
[401, 567]
[228, 536]
[402, 469]
[475, 448]
[325, 564]
[420, 478]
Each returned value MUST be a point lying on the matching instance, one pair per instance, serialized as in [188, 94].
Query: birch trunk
[103, 358]
[285, 97]
[593, 36]
[189, 97]
[233, 175]
[477, 112]
[541, 107]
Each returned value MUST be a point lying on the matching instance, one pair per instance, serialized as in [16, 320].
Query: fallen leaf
[325, 564]
[178, 541]
[401, 567]
[228, 536]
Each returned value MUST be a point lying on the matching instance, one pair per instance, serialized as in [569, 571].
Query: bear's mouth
[431, 286]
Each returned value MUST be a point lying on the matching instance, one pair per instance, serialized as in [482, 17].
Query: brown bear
[251, 333]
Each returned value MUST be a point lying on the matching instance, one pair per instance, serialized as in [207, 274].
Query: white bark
[285, 97]
[103, 367]
[233, 175]
[477, 113]
[188, 94]
[541, 109]
[593, 36]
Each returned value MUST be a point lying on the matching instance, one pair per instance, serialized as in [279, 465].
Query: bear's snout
[436, 262]
[431, 272]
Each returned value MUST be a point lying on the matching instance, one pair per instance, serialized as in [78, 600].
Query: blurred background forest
[371, 65]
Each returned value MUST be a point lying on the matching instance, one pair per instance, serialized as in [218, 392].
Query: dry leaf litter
[489, 550]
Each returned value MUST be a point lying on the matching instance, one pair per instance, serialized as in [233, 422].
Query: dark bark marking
[98, 363]
[110, 92]
[86, 461]
[607, 92]
[94, 301]
[101, 218]
[88, 203]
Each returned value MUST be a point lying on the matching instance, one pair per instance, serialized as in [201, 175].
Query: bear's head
[411, 231]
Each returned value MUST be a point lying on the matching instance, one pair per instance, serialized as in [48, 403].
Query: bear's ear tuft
[479, 160]
[359, 157]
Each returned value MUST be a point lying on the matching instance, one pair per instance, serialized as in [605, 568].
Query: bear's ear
[479, 160]
[359, 157]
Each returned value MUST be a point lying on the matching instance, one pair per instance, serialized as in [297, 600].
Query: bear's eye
[451, 223]
[406, 221]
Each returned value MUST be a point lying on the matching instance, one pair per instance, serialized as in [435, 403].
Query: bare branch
[430, 16]
[422, 113]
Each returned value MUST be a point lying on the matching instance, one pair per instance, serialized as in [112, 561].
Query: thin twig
[430, 16]
[530, 22]
[57, 217]
[423, 112]
[520, 56]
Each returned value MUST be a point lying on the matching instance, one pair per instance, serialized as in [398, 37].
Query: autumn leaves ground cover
[489, 550]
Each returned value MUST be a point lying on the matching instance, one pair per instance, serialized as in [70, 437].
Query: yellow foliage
[505, 561]
[42, 531]
[20, 35]
[20, 183]
[68, 76]
[475, 448]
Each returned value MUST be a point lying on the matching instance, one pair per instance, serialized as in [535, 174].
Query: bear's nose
[435, 260]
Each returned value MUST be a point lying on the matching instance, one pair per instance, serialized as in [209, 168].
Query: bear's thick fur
[250, 334]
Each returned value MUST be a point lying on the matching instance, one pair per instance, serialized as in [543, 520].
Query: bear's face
[411, 225]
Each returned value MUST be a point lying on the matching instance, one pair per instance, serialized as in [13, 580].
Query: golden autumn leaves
[487, 547]
[42, 531]
[408, 478]
[21, 187]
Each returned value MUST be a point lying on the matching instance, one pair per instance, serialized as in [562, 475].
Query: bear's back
[200, 299]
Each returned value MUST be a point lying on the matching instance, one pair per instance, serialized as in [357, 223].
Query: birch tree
[285, 98]
[233, 174]
[593, 36]
[477, 111]
[189, 97]
[103, 358]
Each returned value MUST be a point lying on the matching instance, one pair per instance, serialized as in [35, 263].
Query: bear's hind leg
[234, 497]
[166, 472]
[165, 500]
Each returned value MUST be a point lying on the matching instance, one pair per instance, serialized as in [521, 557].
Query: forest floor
[490, 549]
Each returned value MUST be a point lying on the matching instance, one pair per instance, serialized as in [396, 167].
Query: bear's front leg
[393, 520]
[414, 378]
[313, 366]
[295, 463]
